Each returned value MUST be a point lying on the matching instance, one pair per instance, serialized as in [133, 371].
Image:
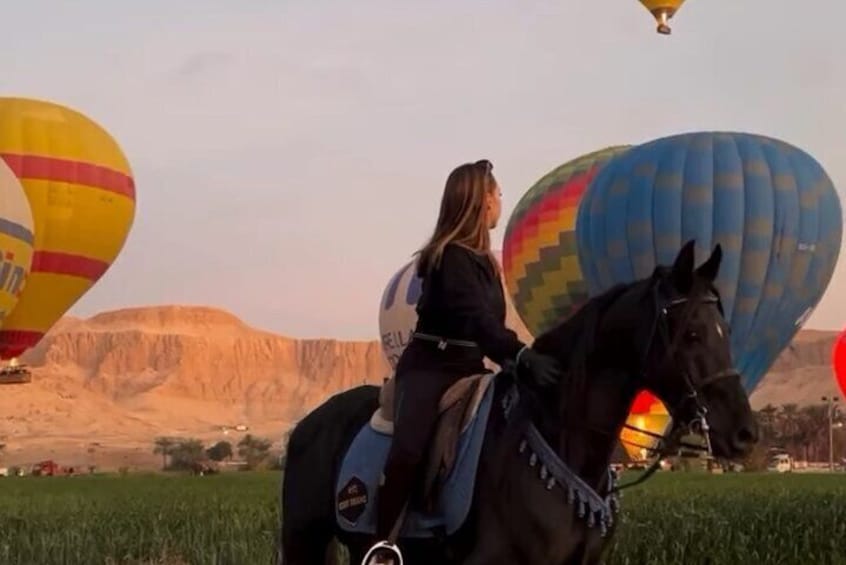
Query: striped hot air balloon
[770, 205]
[539, 253]
[16, 239]
[82, 195]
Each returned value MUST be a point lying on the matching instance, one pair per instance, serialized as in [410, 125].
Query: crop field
[231, 519]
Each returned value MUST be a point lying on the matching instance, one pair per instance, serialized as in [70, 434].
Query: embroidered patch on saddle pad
[352, 500]
[361, 472]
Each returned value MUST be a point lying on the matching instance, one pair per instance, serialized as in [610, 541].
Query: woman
[461, 320]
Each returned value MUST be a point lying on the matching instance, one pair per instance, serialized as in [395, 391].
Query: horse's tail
[315, 448]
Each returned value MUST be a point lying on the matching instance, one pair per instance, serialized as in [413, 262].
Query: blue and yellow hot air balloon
[770, 205]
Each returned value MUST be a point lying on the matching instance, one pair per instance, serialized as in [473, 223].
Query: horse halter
[699, 424]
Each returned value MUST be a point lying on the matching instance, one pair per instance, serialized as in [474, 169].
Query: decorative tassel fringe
[601, 515]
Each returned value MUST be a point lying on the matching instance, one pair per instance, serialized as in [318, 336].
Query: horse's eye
[691, 336]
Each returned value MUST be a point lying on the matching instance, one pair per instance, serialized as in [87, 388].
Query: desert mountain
[127, 376]
[802, 374]
[121, 378]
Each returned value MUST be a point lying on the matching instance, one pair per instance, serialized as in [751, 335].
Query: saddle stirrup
[396, 555]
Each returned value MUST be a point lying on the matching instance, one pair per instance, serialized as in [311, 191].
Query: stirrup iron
[383, 546]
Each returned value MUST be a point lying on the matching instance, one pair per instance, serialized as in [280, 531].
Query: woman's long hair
[463, 217]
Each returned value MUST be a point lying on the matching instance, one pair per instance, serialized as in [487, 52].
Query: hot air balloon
[543, 275]
[662, 11]
[649, 414]
[838, 361]
[398, 311]
[82, 195]
[770, 205]
[397, 314]
[539, 255]
[16, 239]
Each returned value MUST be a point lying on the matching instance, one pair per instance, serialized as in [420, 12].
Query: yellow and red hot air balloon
[82, 196]
[662, 11]
[649, 414]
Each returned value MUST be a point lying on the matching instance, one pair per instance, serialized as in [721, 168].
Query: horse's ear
[709, 269]
[682, 271]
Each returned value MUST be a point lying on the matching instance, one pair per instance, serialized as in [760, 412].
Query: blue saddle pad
[361, 471]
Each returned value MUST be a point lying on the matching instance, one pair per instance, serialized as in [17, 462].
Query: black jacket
[462, 299]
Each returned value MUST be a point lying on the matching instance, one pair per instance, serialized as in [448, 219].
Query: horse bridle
[671, 441]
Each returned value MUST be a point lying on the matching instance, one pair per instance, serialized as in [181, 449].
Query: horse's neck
[589, 430]
[582, 424]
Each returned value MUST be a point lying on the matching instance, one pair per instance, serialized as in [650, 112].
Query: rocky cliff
[802, 374]
[136, 373]
[130, 375]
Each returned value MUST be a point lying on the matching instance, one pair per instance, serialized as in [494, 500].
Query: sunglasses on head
[484, 164]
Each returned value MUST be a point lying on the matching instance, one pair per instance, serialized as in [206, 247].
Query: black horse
[544, 491]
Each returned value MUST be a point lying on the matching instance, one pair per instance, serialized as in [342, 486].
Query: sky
[289, 155]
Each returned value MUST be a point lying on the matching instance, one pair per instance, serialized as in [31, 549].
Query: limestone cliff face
[140, 372]
[146, 359]
[802, 374]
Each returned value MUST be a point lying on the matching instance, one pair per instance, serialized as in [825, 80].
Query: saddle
[456, 410]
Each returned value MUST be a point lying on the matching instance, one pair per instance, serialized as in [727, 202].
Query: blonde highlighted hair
[463, 215]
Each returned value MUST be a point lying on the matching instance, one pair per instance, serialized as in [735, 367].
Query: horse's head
[670, 331]
[687, 355]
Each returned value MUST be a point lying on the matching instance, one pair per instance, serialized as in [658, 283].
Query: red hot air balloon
[838, 359]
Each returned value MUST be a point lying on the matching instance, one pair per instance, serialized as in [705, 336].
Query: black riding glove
[542, 369]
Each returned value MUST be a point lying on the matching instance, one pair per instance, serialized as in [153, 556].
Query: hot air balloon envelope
[838, 358]
[82, 195]
[539, 253]
[649, 414]
[16, 240]
[770, 205]
[398, 311]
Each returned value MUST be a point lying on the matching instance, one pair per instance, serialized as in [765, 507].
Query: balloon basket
[15, 374]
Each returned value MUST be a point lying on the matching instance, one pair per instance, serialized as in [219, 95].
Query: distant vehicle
[780, 463]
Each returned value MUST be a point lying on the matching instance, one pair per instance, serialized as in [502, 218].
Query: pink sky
[289, 156]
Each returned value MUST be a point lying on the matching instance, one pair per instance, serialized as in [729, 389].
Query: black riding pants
[417, 394]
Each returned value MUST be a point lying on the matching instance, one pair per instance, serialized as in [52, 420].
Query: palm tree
[164, 447]
[768, 416]
[789, 424]
[815, 424]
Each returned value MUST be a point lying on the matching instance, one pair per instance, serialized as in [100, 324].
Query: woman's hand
[542, 369]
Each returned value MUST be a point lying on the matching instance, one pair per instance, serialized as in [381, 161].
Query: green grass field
[231, 519]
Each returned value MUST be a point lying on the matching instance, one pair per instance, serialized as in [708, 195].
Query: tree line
[801, 432]
[181, 454]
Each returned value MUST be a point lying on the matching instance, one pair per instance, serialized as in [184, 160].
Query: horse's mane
[571, 342]
[573, 339]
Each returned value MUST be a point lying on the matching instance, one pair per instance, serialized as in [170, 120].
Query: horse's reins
[672, 441]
